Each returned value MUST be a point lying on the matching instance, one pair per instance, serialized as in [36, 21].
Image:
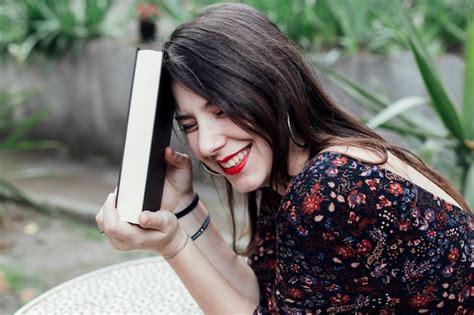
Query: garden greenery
[51, 26]
[425, 27]
[14, 127]
[351, 25]
[455, 138]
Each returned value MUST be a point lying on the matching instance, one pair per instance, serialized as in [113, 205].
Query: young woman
[341, 220]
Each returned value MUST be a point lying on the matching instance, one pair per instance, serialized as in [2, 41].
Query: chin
[246, 186]
[243, 190]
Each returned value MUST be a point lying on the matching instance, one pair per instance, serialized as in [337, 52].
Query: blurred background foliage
[14, 128]
[351, 26]
[450, 133]
[333, 28]
[427, 28]
[52, 26]
[57, 26]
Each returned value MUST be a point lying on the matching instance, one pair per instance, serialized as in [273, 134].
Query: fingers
[163, 221]
[111, 223]
[177, 159]
[99, 218]
[154, 231]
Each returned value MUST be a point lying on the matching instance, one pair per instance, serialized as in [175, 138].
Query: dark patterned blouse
[356, 238]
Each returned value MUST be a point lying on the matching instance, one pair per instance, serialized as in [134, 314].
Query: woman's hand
[158, 231]
[178, 189]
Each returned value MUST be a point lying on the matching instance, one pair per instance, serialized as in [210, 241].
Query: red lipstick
[227, 158]
[238, 167]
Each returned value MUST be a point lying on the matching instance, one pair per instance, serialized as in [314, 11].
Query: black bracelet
[203, 227]
[189, 208]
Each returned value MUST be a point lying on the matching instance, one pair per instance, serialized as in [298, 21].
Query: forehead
[187, 100]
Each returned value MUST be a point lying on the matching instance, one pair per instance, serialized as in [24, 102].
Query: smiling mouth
[236, 163]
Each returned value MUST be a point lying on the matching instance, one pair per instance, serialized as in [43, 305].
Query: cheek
[265, 151]
[193, 144]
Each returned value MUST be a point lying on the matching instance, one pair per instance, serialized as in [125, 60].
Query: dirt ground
[37, 252]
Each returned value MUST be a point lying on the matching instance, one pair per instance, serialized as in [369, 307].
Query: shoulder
[335, 182]
[358, 153]
[343, 195]
[334, 166]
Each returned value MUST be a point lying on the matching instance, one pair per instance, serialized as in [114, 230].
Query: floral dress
[351, 237]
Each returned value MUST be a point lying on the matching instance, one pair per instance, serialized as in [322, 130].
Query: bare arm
[159, 231]
[178, 193]
[213, 246]
[213, 293]
[215, 276]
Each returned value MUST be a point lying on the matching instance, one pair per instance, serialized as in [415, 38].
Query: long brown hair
[236, 58]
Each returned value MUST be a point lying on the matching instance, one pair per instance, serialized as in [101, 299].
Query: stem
[463, 160]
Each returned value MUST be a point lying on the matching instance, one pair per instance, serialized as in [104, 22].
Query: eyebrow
[183, 117]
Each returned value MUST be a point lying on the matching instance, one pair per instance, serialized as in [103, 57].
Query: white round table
[143, 286]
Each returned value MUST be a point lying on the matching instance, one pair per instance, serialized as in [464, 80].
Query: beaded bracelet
[203, 227]
[189, 208]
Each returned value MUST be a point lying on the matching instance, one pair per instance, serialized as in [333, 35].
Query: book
[148, 132]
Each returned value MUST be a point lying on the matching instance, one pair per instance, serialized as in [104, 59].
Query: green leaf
[23, 50]
[370, 100]
[468, 100]
[416, 132]
[11, 101]
[428, 150]
[394, 110]
[413, 36]
[468, 192]
[441, 102]
[175, 10]
[22, 127]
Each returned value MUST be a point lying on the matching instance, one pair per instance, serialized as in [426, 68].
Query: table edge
[80, 278]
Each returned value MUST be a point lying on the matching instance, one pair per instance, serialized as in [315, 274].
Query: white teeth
[236, 159]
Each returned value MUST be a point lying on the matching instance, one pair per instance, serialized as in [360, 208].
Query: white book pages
[141, 118]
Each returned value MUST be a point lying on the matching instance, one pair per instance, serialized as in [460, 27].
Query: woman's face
[243, 158]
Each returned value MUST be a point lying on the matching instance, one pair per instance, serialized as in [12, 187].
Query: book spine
[157, 163]
[126, 124]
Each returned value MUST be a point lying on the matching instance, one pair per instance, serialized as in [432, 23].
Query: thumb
[159, 220]
[177, 159]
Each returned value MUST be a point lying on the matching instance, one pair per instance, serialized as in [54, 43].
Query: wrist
[189, 207]
[176, 246]
[184, 201]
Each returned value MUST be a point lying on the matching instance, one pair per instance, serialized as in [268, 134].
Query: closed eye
[192, 126]
[186, 128]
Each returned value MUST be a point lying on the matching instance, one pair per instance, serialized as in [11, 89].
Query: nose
[211, 138]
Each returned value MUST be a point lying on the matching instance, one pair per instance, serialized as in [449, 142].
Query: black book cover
[148, 133]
